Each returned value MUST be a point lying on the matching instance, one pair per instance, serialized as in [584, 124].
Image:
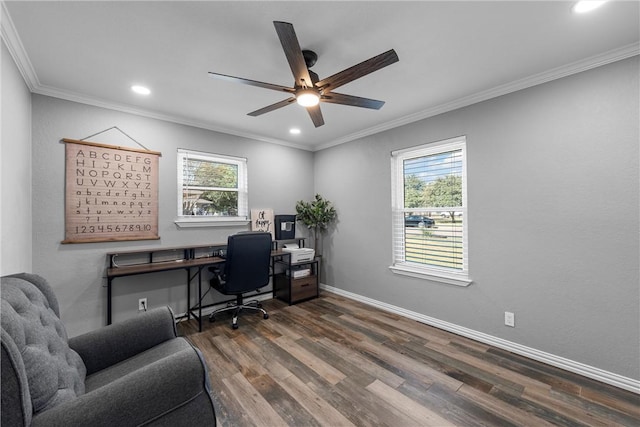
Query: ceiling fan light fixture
[307, 97]
[308, 90]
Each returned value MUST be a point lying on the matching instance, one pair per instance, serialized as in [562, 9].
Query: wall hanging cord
[118, 129]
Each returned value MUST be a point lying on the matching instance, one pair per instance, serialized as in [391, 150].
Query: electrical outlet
[510, 319]
[142, 304]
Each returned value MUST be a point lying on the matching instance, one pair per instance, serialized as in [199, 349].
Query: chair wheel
[265, 316]
[234, 325]
[212, 319]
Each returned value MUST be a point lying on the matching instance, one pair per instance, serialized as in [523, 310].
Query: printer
[299, 254]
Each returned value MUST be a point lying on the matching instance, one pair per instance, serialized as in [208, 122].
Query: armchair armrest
[146, 395]
[119, 341]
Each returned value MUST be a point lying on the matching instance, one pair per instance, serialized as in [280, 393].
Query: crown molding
[16, 49]
[18, 53]
[614, 55]
[96, 102]
[23, 63]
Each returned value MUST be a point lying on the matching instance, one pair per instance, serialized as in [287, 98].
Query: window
[212, 189]
[430, 211]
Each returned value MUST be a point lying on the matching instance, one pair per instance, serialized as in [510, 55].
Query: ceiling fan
[308, 90]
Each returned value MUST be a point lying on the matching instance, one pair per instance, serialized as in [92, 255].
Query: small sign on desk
[262, 220]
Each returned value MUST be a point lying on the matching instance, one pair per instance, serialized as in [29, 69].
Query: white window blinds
[430, 210]
[211, 185]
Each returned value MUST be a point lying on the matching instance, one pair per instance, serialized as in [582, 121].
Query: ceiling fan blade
[354, 101]
[316, 115]
[272, 107]
[251, 82]
[362, 69]
[293, 52]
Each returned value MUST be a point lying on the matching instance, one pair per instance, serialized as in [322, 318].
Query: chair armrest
[145, 395]
[217, 279]
[114, 343]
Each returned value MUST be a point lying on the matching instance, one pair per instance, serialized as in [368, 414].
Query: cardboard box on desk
[299, 254]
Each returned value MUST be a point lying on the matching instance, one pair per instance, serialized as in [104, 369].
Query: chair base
[237, 308]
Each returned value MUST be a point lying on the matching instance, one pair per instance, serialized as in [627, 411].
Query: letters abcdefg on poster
[111, 193]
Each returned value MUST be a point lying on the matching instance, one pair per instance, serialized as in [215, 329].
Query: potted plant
[316, 215]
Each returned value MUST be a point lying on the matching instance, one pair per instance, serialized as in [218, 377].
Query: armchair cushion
[135, 363]
[54, 372]
[112, 344]
[134, 398]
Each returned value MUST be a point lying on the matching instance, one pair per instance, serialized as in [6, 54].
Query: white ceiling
[452, 54]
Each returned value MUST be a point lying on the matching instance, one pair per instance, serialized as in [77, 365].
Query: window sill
[457, 279]
[192, 222]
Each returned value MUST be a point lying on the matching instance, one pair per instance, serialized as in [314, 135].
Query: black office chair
[246, 269]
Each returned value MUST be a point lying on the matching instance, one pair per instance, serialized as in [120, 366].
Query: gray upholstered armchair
[137, 372]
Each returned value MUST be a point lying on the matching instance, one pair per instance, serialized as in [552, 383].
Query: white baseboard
[598, 374]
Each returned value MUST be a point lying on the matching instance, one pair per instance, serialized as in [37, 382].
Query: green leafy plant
[316, 215]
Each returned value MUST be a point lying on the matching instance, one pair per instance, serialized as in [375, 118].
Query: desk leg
[188, 294]
[108, 300]
[273, 277]
[199, 299]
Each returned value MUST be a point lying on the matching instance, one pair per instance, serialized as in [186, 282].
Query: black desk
[197, 257]
[155, 260]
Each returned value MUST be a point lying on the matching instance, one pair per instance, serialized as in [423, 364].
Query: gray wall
[553, 211]
[15, 169]
[278, 177]
[553, 195]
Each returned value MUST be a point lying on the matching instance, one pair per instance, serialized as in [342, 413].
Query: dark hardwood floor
[336, 362]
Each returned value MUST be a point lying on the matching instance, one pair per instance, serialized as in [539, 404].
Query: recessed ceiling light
[140, 90]
[294, 131]
[587, 5]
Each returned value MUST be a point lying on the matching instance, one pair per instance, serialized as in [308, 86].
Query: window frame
[242, 218]
[399, 265]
